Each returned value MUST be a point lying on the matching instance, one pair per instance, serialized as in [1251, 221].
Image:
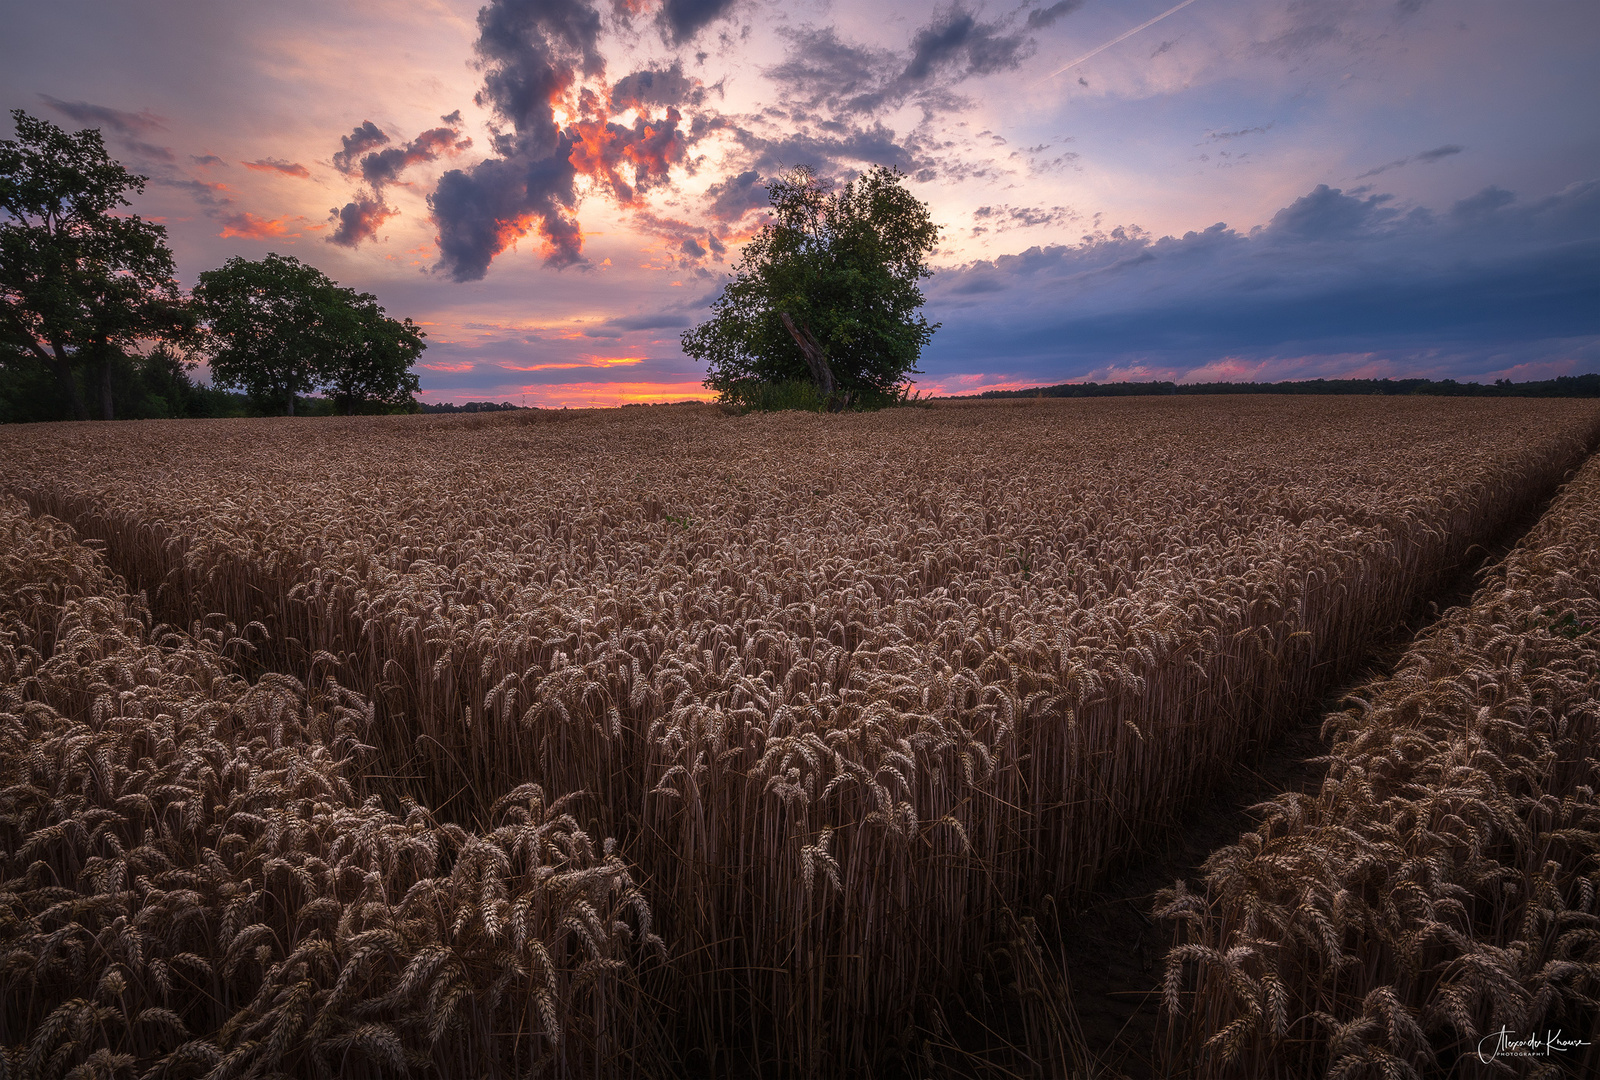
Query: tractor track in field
[1111, 947]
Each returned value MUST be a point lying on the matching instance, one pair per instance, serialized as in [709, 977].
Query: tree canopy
[79, 282]
[827, 291]
[278, 328]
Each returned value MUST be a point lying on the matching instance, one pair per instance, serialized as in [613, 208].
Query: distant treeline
[1576, 386]
[471, 406]
[157, 386]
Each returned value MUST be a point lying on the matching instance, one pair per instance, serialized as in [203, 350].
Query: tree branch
[816, 360]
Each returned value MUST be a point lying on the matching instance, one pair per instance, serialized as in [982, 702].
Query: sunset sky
[555, 189]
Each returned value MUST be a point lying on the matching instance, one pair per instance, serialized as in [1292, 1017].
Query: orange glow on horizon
[611, 394]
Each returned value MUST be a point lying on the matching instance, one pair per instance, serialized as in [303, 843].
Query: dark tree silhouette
[278, 329]
[79, 283]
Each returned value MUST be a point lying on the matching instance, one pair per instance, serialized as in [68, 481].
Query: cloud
[731, 198]
[655, 86]
[681, 20]
[1328, 213]
[831, 153]
[358, 220]
[207, 160]
[957, 36]
[820, 69]
[385, 166]
[1003, 217]
[1495, 282]
[250, 227]
[1435, 154]
[1220, 135]
[125, 127]
[361, 217]
[276, 165]
[363, 138]
[204, 192]
[628, 159]
[657, 320]
[1046, 17]
[103, 116]
[533, 52]
[1482, 206]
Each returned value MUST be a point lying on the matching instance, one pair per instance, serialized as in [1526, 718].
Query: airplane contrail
[1119, 39]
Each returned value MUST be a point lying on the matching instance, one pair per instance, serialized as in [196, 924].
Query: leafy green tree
[268, 324]
[826, 292]
[80, 285]
[372, 362]
[279, 329]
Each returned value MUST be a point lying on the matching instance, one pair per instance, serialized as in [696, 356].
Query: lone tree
[827, 292]
[79, 284]
[278, 328]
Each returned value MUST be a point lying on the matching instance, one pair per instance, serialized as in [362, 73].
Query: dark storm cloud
[681, 20]
[1044, 17]
[358, 220]
[358, 142]
[732, 198]
[361, 217]
[533, 52]
[1328, 213]
[385, 166]
[1331, 274]
[482, 210]
[820, 71]
[957, 37]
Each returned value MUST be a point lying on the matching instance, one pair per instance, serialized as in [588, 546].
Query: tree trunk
[106, 410]
[816, 360]
[291, 402]
[69, 383]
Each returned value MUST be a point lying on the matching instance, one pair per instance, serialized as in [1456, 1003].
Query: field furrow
[1443, 887]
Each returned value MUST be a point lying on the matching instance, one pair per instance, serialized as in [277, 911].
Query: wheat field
[1444, 884]
[596, 743]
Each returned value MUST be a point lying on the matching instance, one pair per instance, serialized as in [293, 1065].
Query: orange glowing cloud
[250, 227]
[588, 362]
[275, 165]
[606, 150]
